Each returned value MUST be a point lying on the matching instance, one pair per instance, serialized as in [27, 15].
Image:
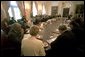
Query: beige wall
[69, 4]
[48, 5]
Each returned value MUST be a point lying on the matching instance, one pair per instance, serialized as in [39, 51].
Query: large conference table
[48, 32]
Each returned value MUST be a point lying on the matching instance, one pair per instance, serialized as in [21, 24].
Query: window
[10, 12]
[14, 10]
[34, 9]
[13, 3]
[17, 13]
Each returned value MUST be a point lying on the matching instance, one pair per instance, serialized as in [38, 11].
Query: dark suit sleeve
[60, 41]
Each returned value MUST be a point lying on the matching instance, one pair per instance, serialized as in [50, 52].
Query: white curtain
[43, 9]
[21, 7]
[34, 9]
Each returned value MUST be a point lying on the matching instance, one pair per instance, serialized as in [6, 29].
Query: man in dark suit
[64, 44]
[13, 44]
[77, 27]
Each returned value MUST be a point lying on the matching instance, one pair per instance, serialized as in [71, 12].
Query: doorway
[65, 12]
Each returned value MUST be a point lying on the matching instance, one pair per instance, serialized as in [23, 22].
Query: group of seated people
[12, 33]
[68, 43]
[43, 18]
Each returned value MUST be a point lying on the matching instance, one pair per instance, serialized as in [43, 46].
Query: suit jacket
[63, 45]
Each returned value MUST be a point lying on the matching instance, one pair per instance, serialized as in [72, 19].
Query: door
[65, 12]
[54, 10]
[79, 9]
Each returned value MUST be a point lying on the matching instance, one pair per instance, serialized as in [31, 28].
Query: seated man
[63, 45]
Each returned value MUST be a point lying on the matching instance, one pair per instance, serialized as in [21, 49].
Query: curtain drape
[21, 7]
[3, 14]
[6, 5]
